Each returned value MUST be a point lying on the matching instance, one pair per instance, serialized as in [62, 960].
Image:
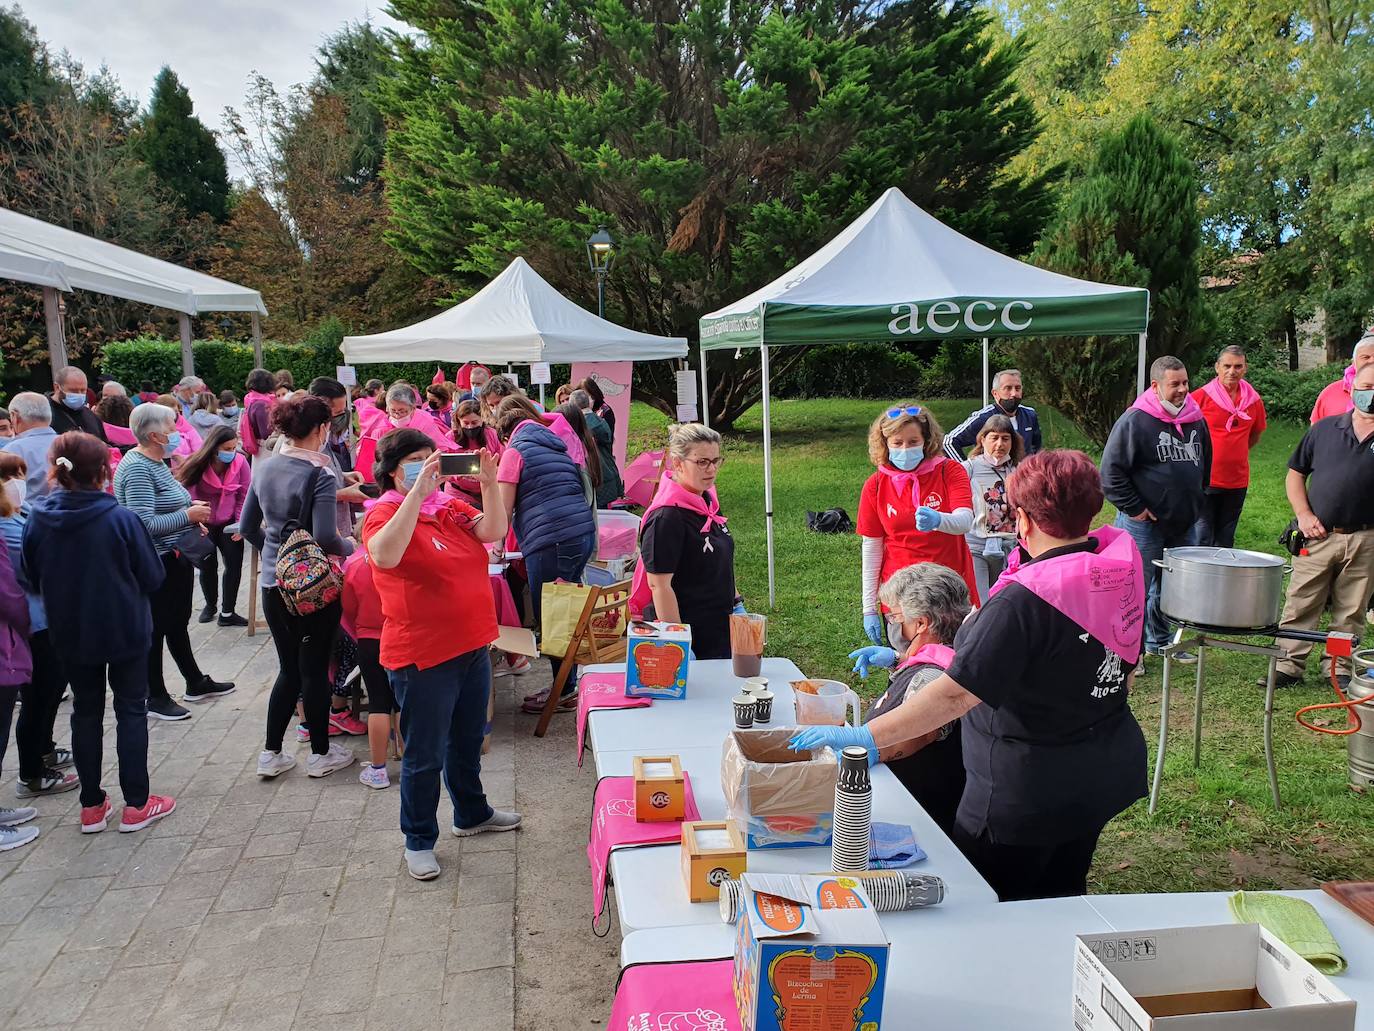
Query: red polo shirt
[1230, 448]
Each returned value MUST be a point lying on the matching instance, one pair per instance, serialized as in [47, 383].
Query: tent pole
[188, 362]
[705, 398]
[541, 395]
[1140, 367]
[987, 386]
[768, 473]
[257, 341]
[57, 341]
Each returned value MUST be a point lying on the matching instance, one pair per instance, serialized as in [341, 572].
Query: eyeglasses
[707, 464]
[897, 413]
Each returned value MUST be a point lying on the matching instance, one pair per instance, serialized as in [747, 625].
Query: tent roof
[37, 252]
[516, 318]
[896, 269]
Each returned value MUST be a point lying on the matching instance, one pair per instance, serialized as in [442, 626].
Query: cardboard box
[657, 660]
[781, 798]
[810, 955]
[712, 852]
[660, 788]
[1230, 977]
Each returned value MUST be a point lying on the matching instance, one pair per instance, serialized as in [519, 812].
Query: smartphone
[370, 490]
[460, 465]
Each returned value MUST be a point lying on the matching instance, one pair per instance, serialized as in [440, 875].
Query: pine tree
[182, 152]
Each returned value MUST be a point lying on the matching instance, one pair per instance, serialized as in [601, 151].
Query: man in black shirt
[68, 401]
[1331, 488]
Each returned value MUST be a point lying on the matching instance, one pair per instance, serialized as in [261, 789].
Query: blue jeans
[443, 714]
[1151, 542]
[562, 561]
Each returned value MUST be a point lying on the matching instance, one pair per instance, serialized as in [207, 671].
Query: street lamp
[600, 257]
[226, 324]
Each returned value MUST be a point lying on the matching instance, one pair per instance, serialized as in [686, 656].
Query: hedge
[948, 369]
[1291, 395]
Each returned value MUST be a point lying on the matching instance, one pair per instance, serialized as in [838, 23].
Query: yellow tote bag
[561, 606]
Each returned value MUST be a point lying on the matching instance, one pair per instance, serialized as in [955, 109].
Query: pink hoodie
[224, 495]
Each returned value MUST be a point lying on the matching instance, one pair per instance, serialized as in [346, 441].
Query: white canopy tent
[54, 258]
[896, 273]
[517, 318]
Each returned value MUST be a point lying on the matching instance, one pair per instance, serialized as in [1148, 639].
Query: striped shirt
[149, 490]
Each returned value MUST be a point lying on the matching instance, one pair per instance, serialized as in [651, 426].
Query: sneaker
[51, 782]
[14, 817]
[535, 703]
[500, 668]
[303, 732]
[374, 776]
[58, 759]
[94, 817]
[231, 619]
[274, 764]
[335, 759]
[1185, 658]
[423, 866]
[205, 689]
[206, 614]
[15, 837]
[346, 723]
[520, 665]
[497, 821]
[1281, 680]
[166, 709]
[151, 811]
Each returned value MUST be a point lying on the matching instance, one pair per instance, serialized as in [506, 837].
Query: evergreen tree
[350, 65]
[182, 152]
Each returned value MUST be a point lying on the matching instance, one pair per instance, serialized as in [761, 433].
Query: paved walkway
[267, 905]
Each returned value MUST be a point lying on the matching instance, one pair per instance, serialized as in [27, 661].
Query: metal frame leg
[1163, 736]
[1197, 708]
[1269, 731]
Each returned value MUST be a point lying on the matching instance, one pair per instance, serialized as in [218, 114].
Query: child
[362, 618]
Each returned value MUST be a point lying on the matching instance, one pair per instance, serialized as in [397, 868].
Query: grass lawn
[1216, 827]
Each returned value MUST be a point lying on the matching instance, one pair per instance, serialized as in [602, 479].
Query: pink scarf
[119, 435]
[901, 480]
[1148, 403]
[930, 654]
[430, 507]
[1102, 591]
[670, 492]
[1234, 411]
[225, 494]
[1348, 378]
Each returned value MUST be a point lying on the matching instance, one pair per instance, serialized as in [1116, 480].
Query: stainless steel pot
[1361, 744]
[1224, 588]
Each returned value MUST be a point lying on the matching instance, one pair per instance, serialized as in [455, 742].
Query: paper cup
[744, 711]
[731, 895]
[763, 705]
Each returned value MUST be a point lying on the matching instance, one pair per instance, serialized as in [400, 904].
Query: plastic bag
[780, 798]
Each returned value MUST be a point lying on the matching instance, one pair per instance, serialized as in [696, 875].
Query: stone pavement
[263, 905]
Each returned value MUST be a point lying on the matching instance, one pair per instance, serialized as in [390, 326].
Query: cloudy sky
[212, 45]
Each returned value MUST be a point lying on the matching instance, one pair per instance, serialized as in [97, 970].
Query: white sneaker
[374, 776]
[500, 667]
[14, 837]
[497, 821]
[520, 666]
[423, 865]
[274, 764]
[335, 759]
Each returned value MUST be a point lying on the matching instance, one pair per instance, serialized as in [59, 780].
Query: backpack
[832, 520]
[307, 580]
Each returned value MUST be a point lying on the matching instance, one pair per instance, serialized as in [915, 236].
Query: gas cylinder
[1361, 744]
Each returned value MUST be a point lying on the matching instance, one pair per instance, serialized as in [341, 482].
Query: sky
[212, 45]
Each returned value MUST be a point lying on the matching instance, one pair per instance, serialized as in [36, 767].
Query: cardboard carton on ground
[1230, 977]
[657, 661]
[809, 954]
[780, 797]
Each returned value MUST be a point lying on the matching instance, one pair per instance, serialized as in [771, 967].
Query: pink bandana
[672, 493]
[929, 654]
[1101, 591]
[1148, 403]
[901, 480]
[1234, 411]
[1348, 378]
[431, 506]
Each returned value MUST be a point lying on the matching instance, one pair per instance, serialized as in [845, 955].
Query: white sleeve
[872, 550]
[959, 521]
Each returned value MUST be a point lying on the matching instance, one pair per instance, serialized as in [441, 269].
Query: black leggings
[232, 551]
[171, 605]
[304, 645]
[380, 700]
[41, 697]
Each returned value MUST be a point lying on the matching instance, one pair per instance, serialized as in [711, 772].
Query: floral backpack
[306, 577]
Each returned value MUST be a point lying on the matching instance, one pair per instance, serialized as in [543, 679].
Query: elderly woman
[1040, 677]
[401, 413]
[996, 452]
[915, 508]
[429, 567]
[144, 484]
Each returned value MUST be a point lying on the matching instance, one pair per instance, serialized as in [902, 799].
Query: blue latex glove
[871, 658]
[807, 738]
[927, 519]
[739, 609]
[874, 629]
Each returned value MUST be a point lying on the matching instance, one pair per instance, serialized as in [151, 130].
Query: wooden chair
[598, 637]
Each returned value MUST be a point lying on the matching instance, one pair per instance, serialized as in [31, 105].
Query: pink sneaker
[153, 810]
[303, 732]
[94, 817]
[346, 723]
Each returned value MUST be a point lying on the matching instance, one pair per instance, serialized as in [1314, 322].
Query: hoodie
[94, 564]
[1158, 461]
[16, 662]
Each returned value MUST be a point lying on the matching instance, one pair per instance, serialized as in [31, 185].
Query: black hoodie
[94, 564]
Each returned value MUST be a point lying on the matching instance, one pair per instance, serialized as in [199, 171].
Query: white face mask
[17, 489]
[996, 460]
[1170, 407]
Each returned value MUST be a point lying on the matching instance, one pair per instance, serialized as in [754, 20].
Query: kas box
[660, 788]
[1231, 977]
[657, 660]
[712, 852]
[810, 954]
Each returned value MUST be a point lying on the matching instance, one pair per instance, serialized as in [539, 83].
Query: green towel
[1294, 922]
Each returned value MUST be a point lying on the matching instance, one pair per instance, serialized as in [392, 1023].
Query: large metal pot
[1361, 744]
[1221, 588]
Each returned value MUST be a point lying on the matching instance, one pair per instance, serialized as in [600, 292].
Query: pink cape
[1101, 591]
[1235, 412]
[379, 426]
[431, 506]
[119, 436]
[225, 495]
[1148, 402]
[901, 480]
[1348, 378]
[671, 493]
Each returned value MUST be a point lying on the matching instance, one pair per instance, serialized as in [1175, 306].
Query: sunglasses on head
[897, 413]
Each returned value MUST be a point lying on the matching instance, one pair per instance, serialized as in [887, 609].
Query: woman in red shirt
[429, 567]
[915, 508]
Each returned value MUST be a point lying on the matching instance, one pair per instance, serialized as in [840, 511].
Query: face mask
[339, 423]
[996, 460]
[906, 458]
[1363, 400]
[230, 410]
[399, 423]
[474, 433]
[1009, 404]
[173, 442]
[226, 456]
[1170, 407]
[74, 400]
[410, 471]
[17, 490]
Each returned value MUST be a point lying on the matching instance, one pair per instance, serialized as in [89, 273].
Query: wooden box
[660, 793]
[712, 852]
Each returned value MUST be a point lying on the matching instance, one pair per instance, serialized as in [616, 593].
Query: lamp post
[226, 325]
[600, 257]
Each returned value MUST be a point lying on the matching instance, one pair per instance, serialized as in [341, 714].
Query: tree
[720, 142]
[182, 152]
[351, 64]
[1132, 221]
[26, 72]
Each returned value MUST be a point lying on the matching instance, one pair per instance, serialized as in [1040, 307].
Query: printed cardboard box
[1230, 977]
[810, 955]
[657, 660]
[780, 797]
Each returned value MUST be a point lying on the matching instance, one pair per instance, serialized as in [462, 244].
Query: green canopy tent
[896, 273]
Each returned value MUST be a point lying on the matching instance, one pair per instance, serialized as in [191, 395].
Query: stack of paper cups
[731, 896]
[896, 890]
[853, 812]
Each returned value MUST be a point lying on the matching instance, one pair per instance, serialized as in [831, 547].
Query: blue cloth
[32, 446]
[12, 533]
[550, 506]
[443, 713]
[891, 845]
[1151, 541]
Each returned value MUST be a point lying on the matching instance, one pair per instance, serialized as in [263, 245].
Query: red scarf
[672, 493]
[1149, 403]
[1234, 411]
[901, 480]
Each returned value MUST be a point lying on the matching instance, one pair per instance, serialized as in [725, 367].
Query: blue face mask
[74, 400]
[906, 458]
[173, 442]
[410, 471]
[226, 456]
[1363, 400]
[230, 410]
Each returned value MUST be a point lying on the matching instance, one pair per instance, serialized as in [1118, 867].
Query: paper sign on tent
[346, 374]
[540, 373]
[687, 413]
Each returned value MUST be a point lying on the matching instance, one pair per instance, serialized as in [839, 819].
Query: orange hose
[1348, 704]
